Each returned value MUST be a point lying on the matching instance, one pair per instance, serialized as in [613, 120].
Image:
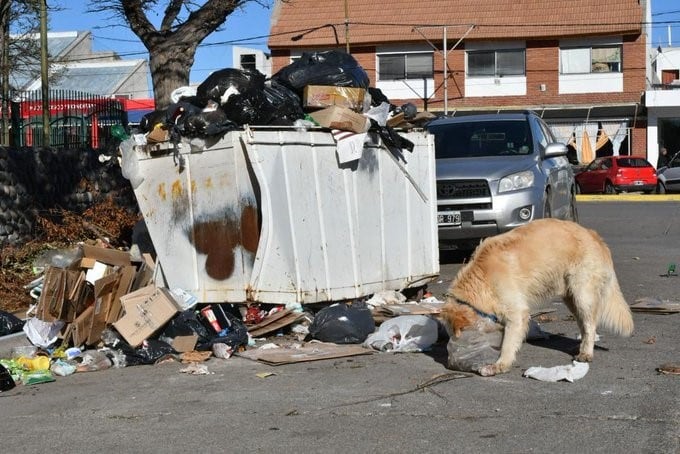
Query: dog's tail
[616, 315]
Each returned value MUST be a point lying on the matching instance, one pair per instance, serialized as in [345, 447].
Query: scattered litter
[196, 369]
[406, 333]
[269, 346]
[37, 377]
[264, 374]
[43, 334]
[343, 323]
[651, 340]
[670, 271]
[222, 351]
[311, 352]
[669, 369]
[569, 372]
[385, 297]
[274, 322]
[195, 356]
[6, 380]
[655, 306]
[93, 360]
[62, 368]
[431, 307]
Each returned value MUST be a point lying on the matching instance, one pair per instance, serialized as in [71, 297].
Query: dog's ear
[457, 316]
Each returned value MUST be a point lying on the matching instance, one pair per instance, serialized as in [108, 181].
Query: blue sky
[250, 26]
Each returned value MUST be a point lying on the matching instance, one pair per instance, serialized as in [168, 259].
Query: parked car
[612, 174]
[668, 177]
[496, 172]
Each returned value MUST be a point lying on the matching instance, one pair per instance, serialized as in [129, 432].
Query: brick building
[581, 64]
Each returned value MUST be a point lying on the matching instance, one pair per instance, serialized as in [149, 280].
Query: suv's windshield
[482, 138]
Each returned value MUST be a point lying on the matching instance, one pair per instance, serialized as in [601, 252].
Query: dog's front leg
[513, 336]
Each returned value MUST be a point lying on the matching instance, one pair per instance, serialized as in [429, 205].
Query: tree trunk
[170, 65]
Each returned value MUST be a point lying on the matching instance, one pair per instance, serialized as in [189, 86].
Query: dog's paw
[584, 358]
[488, 371]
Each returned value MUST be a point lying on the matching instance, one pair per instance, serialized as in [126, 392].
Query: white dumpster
[268, 215]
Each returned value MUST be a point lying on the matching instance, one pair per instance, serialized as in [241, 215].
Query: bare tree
[172, 45]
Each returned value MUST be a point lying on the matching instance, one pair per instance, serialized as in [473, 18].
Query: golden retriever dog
[512, 273]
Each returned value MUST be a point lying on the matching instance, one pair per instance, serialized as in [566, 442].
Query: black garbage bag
[10, 323]
[342, 323]
[331, 67]
[378, 97]
[149, 352]
[224, 83]
[234, 332]
[187, 323]
[207, 123]
[6, 380]
[151, 119]
[250, 107]
[285, 104]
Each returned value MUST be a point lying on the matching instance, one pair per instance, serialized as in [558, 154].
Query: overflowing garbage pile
[97, 307]
[33, 181]
[326, 88]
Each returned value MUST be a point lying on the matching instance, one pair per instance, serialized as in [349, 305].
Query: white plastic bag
[405, 333]
[43, 334]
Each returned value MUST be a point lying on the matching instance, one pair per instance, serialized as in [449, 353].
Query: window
[416, 65]
[595, 59]
[248, 61]
[497, 63]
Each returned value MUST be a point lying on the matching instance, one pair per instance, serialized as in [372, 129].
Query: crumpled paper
[568, 372]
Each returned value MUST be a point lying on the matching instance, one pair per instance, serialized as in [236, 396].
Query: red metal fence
[77, 119]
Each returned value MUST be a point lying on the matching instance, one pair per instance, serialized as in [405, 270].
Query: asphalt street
[396, 403]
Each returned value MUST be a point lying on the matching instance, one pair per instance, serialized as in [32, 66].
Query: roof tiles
[374, 22]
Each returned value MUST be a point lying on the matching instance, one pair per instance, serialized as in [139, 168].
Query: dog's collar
[491, 317]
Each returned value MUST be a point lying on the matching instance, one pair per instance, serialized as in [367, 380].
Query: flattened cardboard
[80, 328]
[145, 312]
[53, 294]
[310, 352]
[182, 344]
[104, 290]
[336, 117]
[106, 255]
[331, 95]
[279, 323]
[126, 275]
[655, 306]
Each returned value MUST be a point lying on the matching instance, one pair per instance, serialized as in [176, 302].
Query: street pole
[44, 74]
[346, 27]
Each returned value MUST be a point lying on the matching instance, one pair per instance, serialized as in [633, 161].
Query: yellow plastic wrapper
[32, 364]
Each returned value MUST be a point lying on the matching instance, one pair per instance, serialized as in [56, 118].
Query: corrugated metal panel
[328, 232]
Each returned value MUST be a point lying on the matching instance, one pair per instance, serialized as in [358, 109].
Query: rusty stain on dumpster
[218, 238]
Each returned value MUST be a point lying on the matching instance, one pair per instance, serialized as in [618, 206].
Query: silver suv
[496, 172]
[668, 177]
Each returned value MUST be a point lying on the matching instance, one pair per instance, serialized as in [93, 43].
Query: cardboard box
[146, 311]
[183, 344]
[336, 117]
[330, 95]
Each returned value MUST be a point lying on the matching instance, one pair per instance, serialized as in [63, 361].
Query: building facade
[581, 65]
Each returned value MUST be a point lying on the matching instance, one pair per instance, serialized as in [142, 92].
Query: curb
[628, 197]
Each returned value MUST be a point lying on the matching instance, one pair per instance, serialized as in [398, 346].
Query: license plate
[638, 183]
[449, 218]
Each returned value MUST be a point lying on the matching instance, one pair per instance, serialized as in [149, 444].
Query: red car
[612, 174]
